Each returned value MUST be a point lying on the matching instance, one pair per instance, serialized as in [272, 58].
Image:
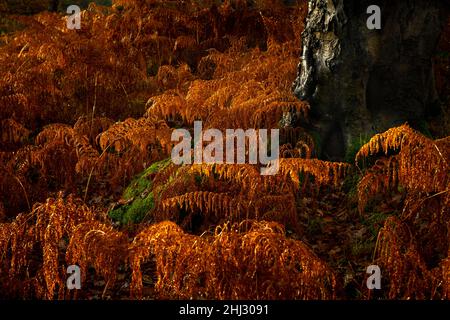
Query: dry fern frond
[92, 127]
[169, 105]
[420, 166]
[406, 273]
[47, 228]
[244, 174]
[155, 238]
[445, 267]
[230, 264]
[87, 155]
[324, 173]
[141, 133]
[423, 163]
[381, 178]
[98, 245]
[169, 77]
[54, 131]
[55, 219]
[12, 133]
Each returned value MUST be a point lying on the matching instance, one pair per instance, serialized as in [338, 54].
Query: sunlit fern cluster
[93, 79]
[414, 247]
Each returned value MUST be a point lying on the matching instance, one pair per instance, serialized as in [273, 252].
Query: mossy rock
[139, 196]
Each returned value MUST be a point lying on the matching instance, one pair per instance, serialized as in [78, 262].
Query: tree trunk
[361, 81]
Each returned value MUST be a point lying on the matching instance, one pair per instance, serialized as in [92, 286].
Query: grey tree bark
[361, 81]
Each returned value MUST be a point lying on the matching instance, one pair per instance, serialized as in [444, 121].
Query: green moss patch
[138, 196]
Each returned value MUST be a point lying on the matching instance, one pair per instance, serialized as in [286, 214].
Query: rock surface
[360, 81]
